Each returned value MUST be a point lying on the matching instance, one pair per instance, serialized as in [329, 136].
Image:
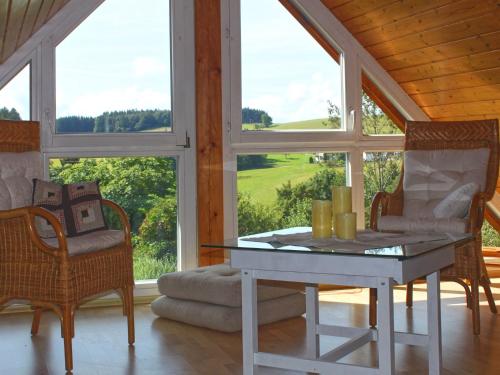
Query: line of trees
[9, 114]
[256, 116]
[116, 122]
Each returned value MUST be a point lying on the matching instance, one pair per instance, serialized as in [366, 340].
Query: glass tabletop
[367, 243]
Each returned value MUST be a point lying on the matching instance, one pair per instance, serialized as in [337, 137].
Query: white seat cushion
[409, 224]
[17, 171]
[225, 318]
[219, 284]
[430, 175]
[90, 242]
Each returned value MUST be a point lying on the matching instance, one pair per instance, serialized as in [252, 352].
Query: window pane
[374, 120]
[15, 98]
[113, 71]
[289, 82]
[146, 189]
[276, 190]
[381, 171]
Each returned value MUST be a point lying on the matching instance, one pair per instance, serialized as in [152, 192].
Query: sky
[119, 59]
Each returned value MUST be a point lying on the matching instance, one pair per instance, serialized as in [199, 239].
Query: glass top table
[367, 243]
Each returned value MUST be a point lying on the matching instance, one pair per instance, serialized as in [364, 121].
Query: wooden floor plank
[167, 347]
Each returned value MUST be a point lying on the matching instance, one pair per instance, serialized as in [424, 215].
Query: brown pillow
[78, 207]
[83, 208]
[49, 196]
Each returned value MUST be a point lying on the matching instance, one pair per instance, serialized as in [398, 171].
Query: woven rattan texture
[19, 136]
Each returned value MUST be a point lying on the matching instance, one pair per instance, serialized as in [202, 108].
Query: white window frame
[40, 52]
[354, 60]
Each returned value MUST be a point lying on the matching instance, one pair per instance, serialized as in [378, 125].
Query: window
[146, 188]
[113, 71]
[381, 172]
[288, 82]
[15, 97]
[276, 190]
[374, 120]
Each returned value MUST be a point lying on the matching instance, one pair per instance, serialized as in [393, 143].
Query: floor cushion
[226, 318]
[218, 284]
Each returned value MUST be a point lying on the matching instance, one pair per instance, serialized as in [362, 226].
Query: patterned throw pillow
[83, 203]
[78, 207]
[49, 196]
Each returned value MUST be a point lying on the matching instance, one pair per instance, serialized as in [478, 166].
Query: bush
[254, 217]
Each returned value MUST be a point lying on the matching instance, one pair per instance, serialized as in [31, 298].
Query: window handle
[187, 142]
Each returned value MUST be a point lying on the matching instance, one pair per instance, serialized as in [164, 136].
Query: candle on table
[342, 201]
[321, 219]
[345, 225]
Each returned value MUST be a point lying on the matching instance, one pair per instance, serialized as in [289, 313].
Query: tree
[9, 114]
[375, 121]
[266, 120]
[333, 121]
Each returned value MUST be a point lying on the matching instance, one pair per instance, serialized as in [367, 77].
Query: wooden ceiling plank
[439, 16]
[332, 4]
[29, 21]
[358, 8]
[480, 61]
[464, 109]
[43, 15]
[393, 13]
[58, 4]
[457, 81]
[482, 24]
[465, 47]
[15, 23]
[468, 118]
[464, 95]
[4, 15]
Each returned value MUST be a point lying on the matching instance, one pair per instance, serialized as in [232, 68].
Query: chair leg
[475, 307]
[35, 325]
[67, 322]
[489, 296]
[373, 308]
[409, 294]
[128, 302]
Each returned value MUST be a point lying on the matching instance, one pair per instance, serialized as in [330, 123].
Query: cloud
[147, 66]
[94, 104]
[301, 99]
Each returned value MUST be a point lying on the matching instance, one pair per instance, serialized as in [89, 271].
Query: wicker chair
[469, 267]
[51, 277]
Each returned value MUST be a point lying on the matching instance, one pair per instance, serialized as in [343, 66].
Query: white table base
[384, 335]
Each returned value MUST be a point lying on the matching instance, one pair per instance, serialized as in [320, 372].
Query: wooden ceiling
[20, 19]
[444, 53]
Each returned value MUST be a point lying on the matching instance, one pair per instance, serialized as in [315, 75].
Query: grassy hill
[261, 183]
[295, 125]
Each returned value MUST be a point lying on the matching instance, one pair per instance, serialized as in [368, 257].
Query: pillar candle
[342, 201]
[346, 225]
[321, 219]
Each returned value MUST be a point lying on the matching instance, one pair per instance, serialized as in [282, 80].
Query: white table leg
[385, 312]
[312, 321]
[434, 323]
[249, 320]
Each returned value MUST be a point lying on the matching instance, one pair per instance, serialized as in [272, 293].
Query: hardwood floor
[167, 348]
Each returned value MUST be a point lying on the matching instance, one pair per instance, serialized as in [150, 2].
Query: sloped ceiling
[444, 53]
[20, 19]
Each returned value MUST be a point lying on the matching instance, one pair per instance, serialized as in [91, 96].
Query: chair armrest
[388, 203]
[476, 212]
[123, 219]
[376, 203]
[18, 218]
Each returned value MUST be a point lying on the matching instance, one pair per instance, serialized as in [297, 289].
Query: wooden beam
[209, 128]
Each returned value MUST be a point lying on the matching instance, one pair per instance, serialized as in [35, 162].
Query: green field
[296, 125]
[261, 183]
